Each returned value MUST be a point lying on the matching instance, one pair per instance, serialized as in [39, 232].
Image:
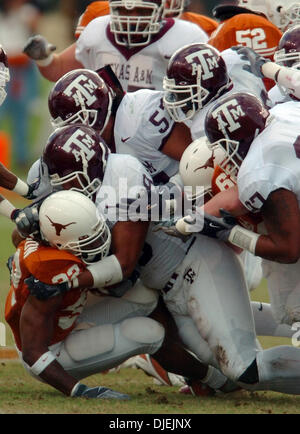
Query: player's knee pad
[250, 375]
[92, 342]
[144, 331]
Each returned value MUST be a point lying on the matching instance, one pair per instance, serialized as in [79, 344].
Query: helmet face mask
[174, 8]
[80, 96]
[70, 221]
[76, 158]
[196, 75]
[135, 29]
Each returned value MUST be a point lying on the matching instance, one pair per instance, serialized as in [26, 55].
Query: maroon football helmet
[80, 96]
[196, 75]
[134, 22]
[76, 158]
[4, 74]
[288, 53]
[233, 123]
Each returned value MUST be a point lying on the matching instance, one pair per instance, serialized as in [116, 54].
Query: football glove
[255, 60]
[44, 291]
[99, 392]
[26, 220]
[169, 228]
[38, 48]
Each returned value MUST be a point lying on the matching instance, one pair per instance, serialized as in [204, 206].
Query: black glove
[31, 190]
[38, 48]
[9, 265]
[44, 291]
[27, 220]
[255, 60]
[99, 392]
[218, 227]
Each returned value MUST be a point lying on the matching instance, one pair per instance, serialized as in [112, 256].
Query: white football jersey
[125, 178]
[276, 96]
[139, 67]
[243, 81]
[273, 158]
[142, 126]
[160, 257]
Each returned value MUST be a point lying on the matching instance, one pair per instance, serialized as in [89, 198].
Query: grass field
[20, 394]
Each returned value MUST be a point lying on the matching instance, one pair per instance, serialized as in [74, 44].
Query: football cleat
[197, 388]
[153, 369]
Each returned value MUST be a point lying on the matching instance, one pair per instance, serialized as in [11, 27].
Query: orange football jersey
[207, 24]
[220, 182]
[94, 10]
[50, 266]
[249, 30]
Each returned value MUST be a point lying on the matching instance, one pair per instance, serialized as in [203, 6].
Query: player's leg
[98, 348]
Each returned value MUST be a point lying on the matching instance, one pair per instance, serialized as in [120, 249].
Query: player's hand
[26, 220]
[218, 227]
[121, 288]
[255, 60]
[32, 189]
[169, 228]
[38, 48]
[44, 291]
[99, 392]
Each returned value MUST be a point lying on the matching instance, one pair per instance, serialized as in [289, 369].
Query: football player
[172, 9]
[135, 41]
[76, 157]
[257, 24]
[61, 341]
[285, 72]
[135, 123]
[274, 196]
[197, 75]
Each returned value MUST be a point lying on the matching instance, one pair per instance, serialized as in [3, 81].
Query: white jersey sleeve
[276, 96]
[160, 257]
[137, 68]
[273, 159]
[142, 127]
[125, 180]
[243, 81]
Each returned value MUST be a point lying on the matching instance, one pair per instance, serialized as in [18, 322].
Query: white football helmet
[70, 221]
[197, 166]
[282, 13]
[135, 29]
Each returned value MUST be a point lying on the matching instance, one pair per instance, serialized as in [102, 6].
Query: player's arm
[264, 68]
[179, 139]
[36, 330]
[228, 200]
[52, 66]
[282, 220]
